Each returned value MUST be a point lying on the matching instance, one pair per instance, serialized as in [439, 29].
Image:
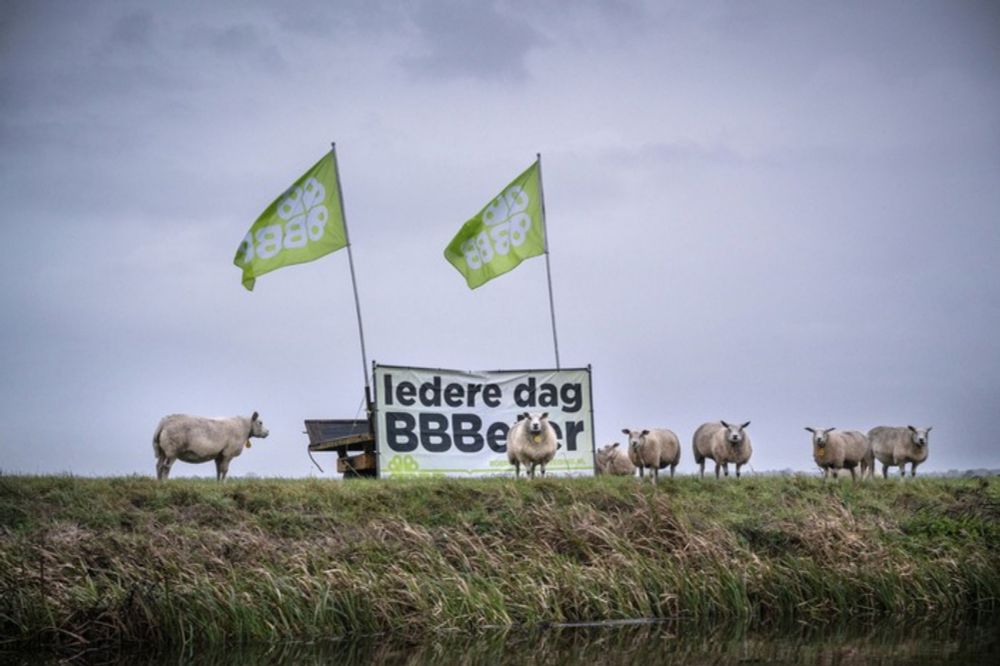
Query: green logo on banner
[403, 464]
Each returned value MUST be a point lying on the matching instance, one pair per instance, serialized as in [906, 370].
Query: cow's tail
[157, 451]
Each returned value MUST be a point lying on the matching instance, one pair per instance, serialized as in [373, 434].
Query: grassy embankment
[192, 561]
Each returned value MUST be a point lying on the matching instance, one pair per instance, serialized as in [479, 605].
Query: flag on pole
[303, 224]
[508, 230]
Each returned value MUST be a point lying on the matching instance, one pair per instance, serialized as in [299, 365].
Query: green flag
[510, 229]
[304, 223]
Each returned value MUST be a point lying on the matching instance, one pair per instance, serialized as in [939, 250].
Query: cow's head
[257, 428]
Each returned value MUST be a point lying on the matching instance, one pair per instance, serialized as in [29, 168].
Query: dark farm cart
[352, 439]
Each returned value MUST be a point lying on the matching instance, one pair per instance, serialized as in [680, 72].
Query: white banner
[454, 423]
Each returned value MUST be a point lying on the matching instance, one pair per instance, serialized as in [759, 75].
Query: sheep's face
[820, 437]
[536, 422]
[919, 436]
[605, 454]
[734, 433]
[257, 428]
[635, 438]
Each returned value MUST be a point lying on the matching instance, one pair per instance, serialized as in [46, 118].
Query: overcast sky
[782, 212]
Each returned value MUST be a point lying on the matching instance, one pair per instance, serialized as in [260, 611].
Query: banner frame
[588, 369]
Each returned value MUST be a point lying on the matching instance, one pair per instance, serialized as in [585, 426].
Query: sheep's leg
[725, 469]
[885, 471]
[655, 475]
[543, 470]
[701, 464]
[913, 469]
[641, 474]
[531, 470]
[738, 465]
[718, 468]
[854, 475]
[672, 468]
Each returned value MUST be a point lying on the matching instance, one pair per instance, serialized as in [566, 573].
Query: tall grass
[87, 561]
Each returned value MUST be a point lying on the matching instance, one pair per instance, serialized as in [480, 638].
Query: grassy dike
[192, 561]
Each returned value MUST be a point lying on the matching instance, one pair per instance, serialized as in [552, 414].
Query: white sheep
[898, 446]
[723, 443]
[531, 442]
[196, 439]
[655, 449]
[843, 449]
[613, 460]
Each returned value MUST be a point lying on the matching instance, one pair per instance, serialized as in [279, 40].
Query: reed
[193, 562]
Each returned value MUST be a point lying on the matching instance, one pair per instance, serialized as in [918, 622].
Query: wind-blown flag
[303, 224]
[508, 230]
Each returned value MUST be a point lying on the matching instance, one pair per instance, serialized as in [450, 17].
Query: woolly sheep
[723, 443]
[614, 461]
[655, 449]
[898, 446]
[843, 449]
[531, 442]
[196, 439]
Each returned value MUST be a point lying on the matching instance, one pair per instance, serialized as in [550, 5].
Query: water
[625, 643]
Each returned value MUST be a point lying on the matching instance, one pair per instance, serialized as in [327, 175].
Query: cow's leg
[221, 468]
[163, 466]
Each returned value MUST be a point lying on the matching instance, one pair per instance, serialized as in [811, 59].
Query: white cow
[196, 439]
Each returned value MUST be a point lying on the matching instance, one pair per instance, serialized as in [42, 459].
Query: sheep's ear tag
[537, 438]
[821, 450]
[248, 443]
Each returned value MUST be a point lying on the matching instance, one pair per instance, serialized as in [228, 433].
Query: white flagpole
[548, 270]
[354, 282]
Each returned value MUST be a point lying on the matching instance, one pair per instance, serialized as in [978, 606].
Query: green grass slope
[86, 561]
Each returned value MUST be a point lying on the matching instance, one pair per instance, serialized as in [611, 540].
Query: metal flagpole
[354, 281]
[548, 269]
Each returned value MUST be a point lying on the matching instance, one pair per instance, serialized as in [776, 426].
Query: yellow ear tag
[537, 438]
[248, 443]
